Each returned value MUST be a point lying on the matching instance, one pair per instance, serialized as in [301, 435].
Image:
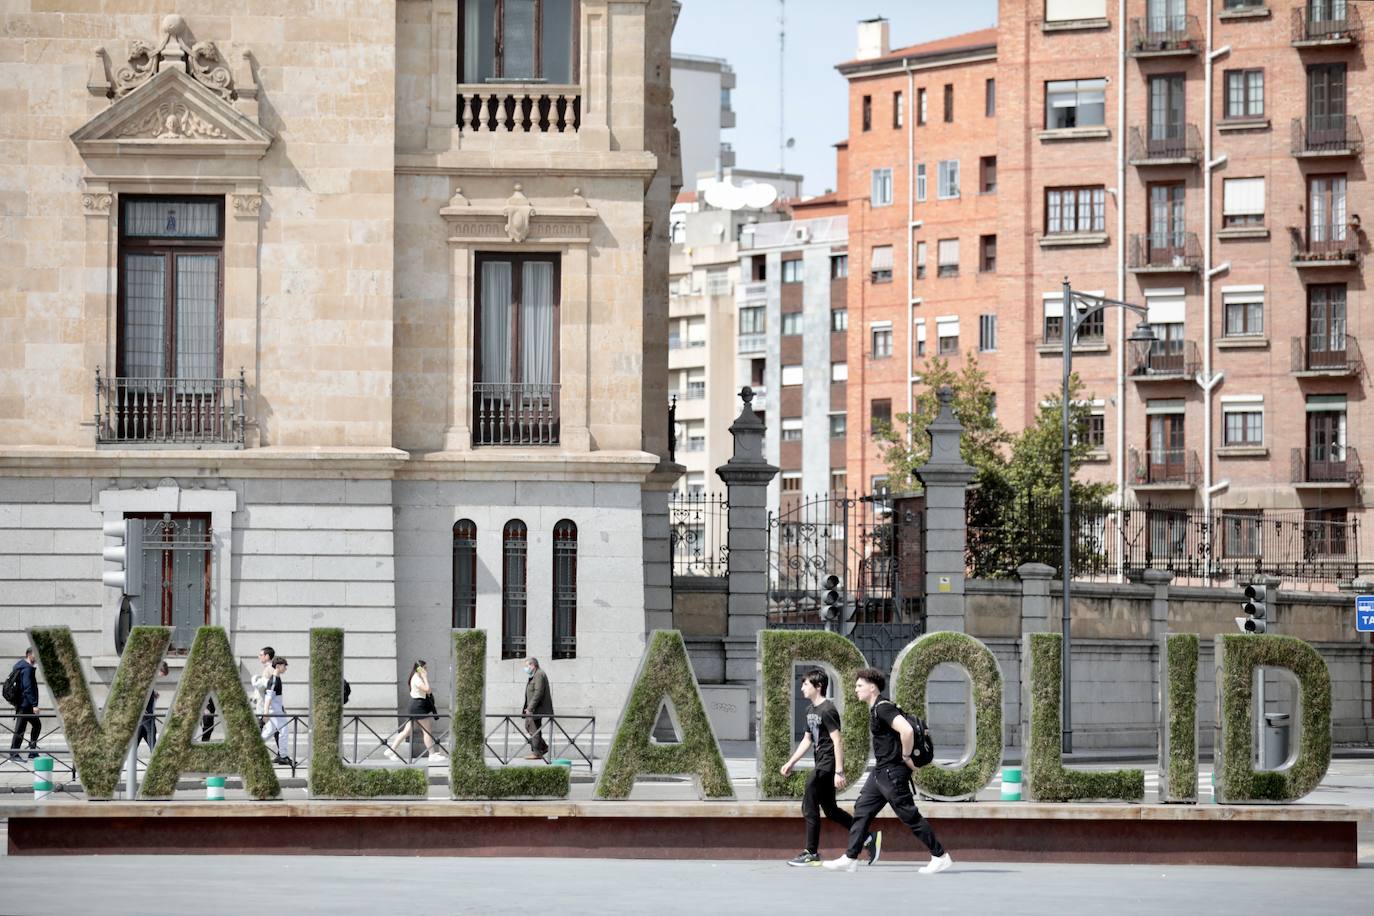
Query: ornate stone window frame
[179, 124]
[560, 226]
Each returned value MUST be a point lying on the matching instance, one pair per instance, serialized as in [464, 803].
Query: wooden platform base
[1291, 835]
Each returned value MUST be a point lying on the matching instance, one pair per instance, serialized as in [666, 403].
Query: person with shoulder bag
[421, 707]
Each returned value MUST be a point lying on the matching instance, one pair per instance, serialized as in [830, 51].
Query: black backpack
[13, 690]
[347, 692]
[922, 748]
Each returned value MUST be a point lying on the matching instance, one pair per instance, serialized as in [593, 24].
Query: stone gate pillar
[945, 477]
[746, 476]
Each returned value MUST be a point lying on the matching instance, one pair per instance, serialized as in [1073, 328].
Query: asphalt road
[236, 885]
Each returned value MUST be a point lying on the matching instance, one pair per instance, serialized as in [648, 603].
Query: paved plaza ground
[213, 885]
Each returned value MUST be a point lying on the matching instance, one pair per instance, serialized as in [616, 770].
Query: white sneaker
[389, 754]
[936, 864]
[843, 863]
[436, 757]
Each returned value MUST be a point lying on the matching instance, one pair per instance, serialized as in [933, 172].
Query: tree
[984, 442]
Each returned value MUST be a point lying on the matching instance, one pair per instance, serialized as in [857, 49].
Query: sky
[820, 34]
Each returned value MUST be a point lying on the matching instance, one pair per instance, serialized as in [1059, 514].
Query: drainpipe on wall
[1120, 250]
[910, 102]
[1209, 273]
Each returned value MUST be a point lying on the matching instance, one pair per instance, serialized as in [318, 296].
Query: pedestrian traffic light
[128, 554]
[831, 597]
[1256, 609]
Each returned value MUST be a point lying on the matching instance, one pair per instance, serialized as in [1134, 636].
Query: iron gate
[874, 545]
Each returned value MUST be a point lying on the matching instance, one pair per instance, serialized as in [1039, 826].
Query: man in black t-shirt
[823, 734]
[890, 781]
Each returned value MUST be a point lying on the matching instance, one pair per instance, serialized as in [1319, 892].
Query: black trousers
[820, 796]
[147, 731]
[23, 716]
[889, 785]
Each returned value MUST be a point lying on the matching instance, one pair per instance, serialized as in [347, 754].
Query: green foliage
[779, 653]
[984, 441]
[665, 670]
[329, 778]
[913, 670]
[1237, 655]
[1178, 763]
[469, 775]
[210, 670]
[1044, 768]
[99, 748]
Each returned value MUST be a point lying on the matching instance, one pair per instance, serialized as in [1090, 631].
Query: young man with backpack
[890, 782]
[21, 692]
[823, 739]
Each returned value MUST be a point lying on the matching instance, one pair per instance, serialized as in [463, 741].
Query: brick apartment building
[1203, 160]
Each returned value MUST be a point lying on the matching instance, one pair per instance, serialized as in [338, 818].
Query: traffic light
[831, 597]
[1256, 609]
[129, 555]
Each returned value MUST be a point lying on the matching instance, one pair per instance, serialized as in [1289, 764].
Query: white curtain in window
[144, 328]
[518, 17]
[1243, 197]
[948, 252]
[495, 320]
[196, 315]
[536, 316]
[947, 326]
[882, 257]
[176, 219]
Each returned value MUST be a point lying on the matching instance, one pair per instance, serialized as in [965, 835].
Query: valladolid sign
[99, 743]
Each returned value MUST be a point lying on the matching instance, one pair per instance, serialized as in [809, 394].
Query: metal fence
[699, 532]
[1199, 548]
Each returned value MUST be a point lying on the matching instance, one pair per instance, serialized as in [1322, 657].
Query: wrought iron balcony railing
[1337, 465]
[1184, 145]
[506, 413]
[1314, 246]
[1164, 252]
[1164, 359]
[1327, 135]
[1151, 35]
[1327, 354]
[1312, 27]
[170, 411]
[1165, 466]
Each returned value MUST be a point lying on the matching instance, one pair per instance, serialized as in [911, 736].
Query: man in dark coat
[26, 712]
[538, 703]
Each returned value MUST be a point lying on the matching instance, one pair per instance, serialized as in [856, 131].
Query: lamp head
[1143, 333]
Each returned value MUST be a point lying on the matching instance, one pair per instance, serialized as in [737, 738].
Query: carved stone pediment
[172, 114]
[519, 220]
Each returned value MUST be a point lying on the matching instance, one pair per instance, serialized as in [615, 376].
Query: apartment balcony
[1322, 249]
[1164, 360]
[1184, 149]
[170, 412]
[525, 108]
[1312, 31]
[1164, 253]
[511, 413]
[1323, 357]
[1330, 466]
[1164, 469]
[749, 294]
[752, 343]
[1165, 36]
[1327, 137]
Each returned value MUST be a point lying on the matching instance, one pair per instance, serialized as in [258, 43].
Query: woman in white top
[421, 708]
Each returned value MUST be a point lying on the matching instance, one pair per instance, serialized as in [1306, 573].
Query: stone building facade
[361, 308]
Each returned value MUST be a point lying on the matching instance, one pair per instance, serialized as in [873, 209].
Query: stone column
[1035, 597]
[945, 478]
[746, 477]
[1158, 579]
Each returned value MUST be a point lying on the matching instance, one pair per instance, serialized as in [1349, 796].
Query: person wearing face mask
[538, 704]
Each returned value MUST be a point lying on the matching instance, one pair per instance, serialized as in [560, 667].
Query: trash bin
[1275, 739]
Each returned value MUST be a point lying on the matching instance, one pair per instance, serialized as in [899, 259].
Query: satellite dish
[725, 195]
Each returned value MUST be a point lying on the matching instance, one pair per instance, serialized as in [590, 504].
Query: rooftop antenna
[782, 47]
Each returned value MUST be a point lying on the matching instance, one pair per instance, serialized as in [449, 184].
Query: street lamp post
[1072, 320]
